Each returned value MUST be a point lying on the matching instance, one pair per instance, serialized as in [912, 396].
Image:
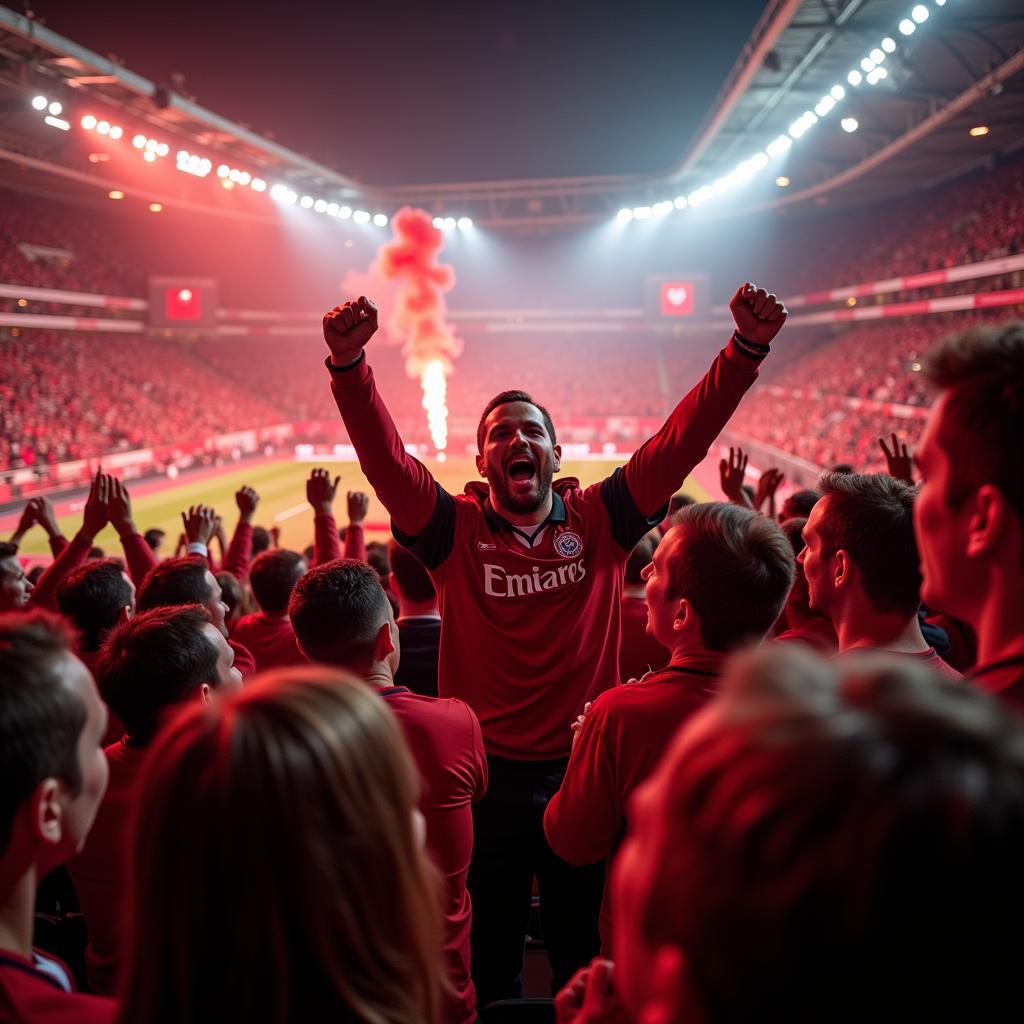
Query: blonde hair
[275, 875]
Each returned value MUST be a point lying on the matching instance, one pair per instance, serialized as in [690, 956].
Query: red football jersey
[529, 634]
[446, 743]
[41, 992]
[623, 737]
[271, 641]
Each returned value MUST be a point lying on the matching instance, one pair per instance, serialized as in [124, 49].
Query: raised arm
[94, 518]
[139, 555]
[658, 469]
[402, 483]
[239, 554]
[355, 539]
[320, 492]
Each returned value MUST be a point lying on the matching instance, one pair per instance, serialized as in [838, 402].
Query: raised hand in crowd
[275, 536]
[247, 499]
[767, 485]
[320, 491]
[94, 515]
[46, 517]
[898, 459]
[119, 508]
[200, 522]
[347, 329]
[757, 313]
[358, 506]
[219, 534]
[25, 523]
[731, 472]
[179, 548]
[590, 997]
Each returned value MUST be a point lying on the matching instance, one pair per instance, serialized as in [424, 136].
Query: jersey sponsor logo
[569, 544]
[499, 582]
[484, 546]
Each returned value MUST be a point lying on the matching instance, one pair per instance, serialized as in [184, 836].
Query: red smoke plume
[418, 317]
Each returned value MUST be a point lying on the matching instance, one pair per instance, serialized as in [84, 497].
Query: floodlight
[849, 124]
[306, 202]
[837, 92]
[244, 178]
[115, 194]
[88, 122]
[889, 45]
[103, 127]
[855, 77]
[361, 217]
[920, 14]
[116, 131]
[782, 181]
[39, 102]
[163, 149]
[907, 27]
[139, 141]
[345, 212]
[149, 156]
[877, 55]
[381, 220]
[438, 222]
[624, 216]
[642, 212]
[778, 146]
[223, 171]
[449, 223]
[320, 206]
[867, 64]
[56, 108]
[259, 185]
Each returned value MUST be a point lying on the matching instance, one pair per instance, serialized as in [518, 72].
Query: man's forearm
[74, 555]
[401, 482]
[659, 467]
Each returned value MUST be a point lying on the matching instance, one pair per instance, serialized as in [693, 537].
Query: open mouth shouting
[521, 470]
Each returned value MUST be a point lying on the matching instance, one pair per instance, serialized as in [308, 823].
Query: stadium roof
[960, 65]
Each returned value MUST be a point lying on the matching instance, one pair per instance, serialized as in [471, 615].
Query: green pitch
[282, 489]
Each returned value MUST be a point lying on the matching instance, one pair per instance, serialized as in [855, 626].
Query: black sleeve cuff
[348, 366]
[435, 541]
[628, 523]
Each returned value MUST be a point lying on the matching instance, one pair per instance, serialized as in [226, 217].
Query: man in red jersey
[54, 775]
[342, 617]
[149, 665]
[718, 580]
[529, 579]
[862, 567]
[969, 514]
[268, 633]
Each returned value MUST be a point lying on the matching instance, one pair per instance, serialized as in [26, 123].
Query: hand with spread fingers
[899, 459]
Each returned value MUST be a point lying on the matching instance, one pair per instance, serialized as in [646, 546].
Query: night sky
[394, 93]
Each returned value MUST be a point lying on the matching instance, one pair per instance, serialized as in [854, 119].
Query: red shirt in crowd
[98, 870]
[270, 639]
[640, 652]
[530, 633]
[447, 745]
[819, 634]
[41, 992]
[623, 737]
[1005, 679]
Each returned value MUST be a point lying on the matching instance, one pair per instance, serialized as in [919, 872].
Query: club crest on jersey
[569, 544]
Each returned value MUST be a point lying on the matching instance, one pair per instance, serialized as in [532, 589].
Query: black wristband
[743, 347]
[756, 345]
[348, 366]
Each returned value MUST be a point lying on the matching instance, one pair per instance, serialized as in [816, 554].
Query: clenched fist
[758, 314]
[348, 328]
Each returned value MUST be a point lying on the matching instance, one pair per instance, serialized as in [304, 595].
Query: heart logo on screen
[677, 296]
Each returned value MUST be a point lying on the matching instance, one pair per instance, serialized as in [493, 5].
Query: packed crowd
[730, 746]
[77, 396]
[978, 217]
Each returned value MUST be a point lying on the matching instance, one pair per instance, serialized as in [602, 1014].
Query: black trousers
[509, 851]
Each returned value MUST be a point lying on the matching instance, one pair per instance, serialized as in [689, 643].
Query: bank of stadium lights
[193, 163]
[453, 223]
[870, 69]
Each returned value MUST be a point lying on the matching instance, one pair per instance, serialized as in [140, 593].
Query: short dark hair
[735, 567]
[92, 597]
[801, 502]
[155, 661]
[983, 419]
[8, 550]
[231, 592]
[153, 536]
[794, 531]
[413, 580]
[40, 718]
[841, 467]
[260, 539]
[870, 516]
[678, 501]
[173, 582]
[853, 827]
[639, 558]
[503, 399]
[378, 558]
[272, 576]
[337, 610]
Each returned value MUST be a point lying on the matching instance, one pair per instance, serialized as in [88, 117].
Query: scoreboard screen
[183, 302]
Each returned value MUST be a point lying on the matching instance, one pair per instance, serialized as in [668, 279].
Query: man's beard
[523, 506]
